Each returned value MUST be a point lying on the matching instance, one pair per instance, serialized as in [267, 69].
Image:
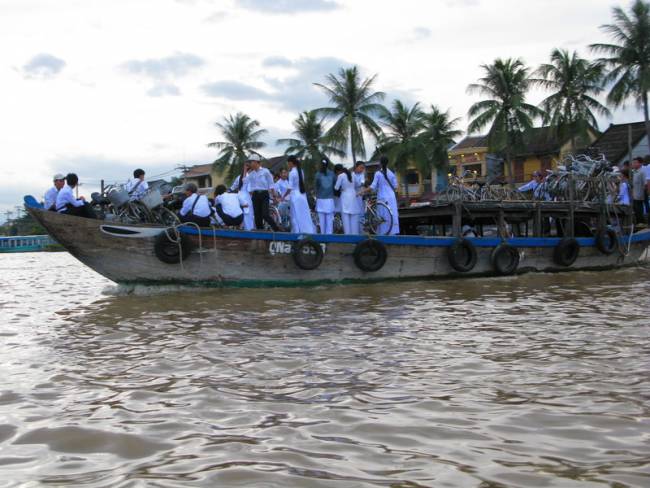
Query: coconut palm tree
[575, 83]
[400, 138]
[628, 61]
[354, 108]
[310, 143]
[438, 134]
[505, 83]
[241, 134]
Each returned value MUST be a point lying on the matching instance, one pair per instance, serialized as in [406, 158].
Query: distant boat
[27, 243]
[153, 254]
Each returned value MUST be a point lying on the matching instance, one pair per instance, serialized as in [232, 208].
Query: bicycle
[375, 214]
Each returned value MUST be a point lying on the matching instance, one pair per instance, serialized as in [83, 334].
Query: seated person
[196, 208]
[136, 186]
[49, 200]
[532, 184]
[228, 207]
[66, 203]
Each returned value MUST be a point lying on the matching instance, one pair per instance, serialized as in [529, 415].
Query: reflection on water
[537, 380]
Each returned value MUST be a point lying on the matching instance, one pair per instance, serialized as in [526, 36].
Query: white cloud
[288, 6]
[43, 66]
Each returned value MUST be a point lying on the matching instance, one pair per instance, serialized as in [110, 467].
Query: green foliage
[241, 134]
[575, 82]
[354, 108]
[504, 84]
[309, 143]
[628, 61]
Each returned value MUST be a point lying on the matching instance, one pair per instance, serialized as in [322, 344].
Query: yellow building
[541, 151]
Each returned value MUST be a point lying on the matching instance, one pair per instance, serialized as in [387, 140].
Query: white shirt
[281, 186]
[259, 180]
[230, 204]
[202, 208]
[349, 200]
[50, 198]
[140, 189]
[646, 170]
[66, 197]
[531, 185]
[623, 194]
[294, 182]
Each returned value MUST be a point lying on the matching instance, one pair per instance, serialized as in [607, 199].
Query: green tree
[309, 142]
[354, 108]
[628, 61]
[241, 134]
[575, 82]
[438, 134]
[399, 140]
[505, 84]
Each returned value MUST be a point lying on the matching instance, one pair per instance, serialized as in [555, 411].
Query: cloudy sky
[100, 87]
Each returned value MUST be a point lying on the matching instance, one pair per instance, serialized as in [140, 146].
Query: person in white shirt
[196, 208]
[623, 197]
[384, 183]
[300, 213]
[227, 207]
[260, 184]
[49, 199]
[350, 208]
[281, 191]
[532, 184]
[67, 203]
[240, 186]
[136, 186]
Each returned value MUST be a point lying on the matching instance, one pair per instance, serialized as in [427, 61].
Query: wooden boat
[222, 257]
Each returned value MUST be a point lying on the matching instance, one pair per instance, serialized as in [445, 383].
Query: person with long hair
[324, 189]
[240, 186]
[384, 184]
[300, 213]
[350, 208]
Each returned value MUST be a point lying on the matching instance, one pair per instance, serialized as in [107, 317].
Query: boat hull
[219, 257]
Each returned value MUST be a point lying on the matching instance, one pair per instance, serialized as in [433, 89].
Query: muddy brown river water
[540, 380]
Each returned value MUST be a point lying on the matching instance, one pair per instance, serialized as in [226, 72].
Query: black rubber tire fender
[606, 241]
[566, 252]
[462, 255]
[367, 248]
[168, 251]
[298, 253]
[504, 259]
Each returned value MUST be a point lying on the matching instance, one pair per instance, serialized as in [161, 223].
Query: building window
[474, 168]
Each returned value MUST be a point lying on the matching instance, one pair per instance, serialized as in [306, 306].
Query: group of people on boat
[246, 203]
[336, 190]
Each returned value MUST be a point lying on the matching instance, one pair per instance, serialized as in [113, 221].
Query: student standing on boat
[227, 207]
[384, 184]
[324, 189]
[49, 200]
[196, 208]
[623, 197]
[281, 190]
[638, 191]
[359, 177]
[350, 208]
[240, 186]
[67, 203]
[136, 186]
[300, 213]
[260, 184]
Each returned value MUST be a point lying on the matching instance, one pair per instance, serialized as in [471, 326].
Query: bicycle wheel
[315, 221]
[275, 215]
[338, 224]
[139, 213]
[386, 217]
[164, 216]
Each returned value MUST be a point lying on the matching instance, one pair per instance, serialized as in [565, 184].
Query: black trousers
[84, 211]
[638, 206]
[200, 221]
[227, 219]
[261, 210]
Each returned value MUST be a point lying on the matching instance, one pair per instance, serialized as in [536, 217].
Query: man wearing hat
[49, 200]
[532, 184]
[260, 183]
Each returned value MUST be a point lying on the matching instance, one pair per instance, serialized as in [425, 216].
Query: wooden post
[502, 223]
[572, 227]
[538, 231]
[101, 185]
[457, 219]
